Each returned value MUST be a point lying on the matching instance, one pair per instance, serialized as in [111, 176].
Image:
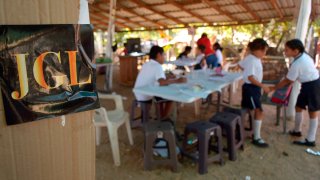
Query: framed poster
[46, 71]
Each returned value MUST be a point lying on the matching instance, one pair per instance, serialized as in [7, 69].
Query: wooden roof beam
[150, 8]
[217, 8]
[120, 6]
[99, 9]
[101, 23]
[138, 15]
[107, 18]
[245, 6]
[275, 5]
[186, 10]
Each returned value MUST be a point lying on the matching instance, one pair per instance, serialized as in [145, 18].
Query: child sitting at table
[251, 89]
[200, 58]
[152, 74]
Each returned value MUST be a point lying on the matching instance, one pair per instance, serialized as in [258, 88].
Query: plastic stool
[245, 117]
[232, 124]
[145, 108]
[164, 131]
[205, 133]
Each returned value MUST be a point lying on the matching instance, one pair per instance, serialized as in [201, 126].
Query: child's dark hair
[217, 46]
[295, 44]
[204, 35]
[187, 48]
[202, 48]
[257, 44]
[154, 51]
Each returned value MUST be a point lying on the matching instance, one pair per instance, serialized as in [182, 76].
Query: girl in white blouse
[304, 70]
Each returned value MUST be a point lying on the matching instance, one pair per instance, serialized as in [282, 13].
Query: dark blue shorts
[251, 97]
[309, 96]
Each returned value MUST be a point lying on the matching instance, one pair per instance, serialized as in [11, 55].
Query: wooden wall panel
[45, 149]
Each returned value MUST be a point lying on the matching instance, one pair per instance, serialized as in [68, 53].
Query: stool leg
[219, 143]
[231, 141]
[172, 151]
[145, 108]
[241, 134]
[132, 113]
[203, 153]
[159, 110]
[148, 153]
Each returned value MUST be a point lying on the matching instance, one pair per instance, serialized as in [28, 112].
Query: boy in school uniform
[304, 70]
[251, 89]
[152, 74]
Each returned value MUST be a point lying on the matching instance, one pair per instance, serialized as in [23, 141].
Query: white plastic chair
[112, 120]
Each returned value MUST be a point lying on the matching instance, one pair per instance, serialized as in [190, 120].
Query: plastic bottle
[192, 139]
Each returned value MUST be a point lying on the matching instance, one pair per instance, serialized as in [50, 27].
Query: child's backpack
[281, 96]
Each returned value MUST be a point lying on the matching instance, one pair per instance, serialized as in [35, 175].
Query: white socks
[313, 126]
[298, 122]
[256, 129]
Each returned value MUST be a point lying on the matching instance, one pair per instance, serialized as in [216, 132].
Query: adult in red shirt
[211, 58]
[205, 41]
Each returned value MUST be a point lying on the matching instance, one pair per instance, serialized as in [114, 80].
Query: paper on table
[189, 91]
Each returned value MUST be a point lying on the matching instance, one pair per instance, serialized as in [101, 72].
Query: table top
[185, 92]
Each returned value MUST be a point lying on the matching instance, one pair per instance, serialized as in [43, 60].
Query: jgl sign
[46, 71]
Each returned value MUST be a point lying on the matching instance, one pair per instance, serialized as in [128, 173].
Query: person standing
[304, 70]
[211, 58]
[251, 89]
[218, 50]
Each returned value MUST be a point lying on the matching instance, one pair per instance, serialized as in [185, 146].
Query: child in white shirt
[304, 70]
[152, 73]
[251, 90]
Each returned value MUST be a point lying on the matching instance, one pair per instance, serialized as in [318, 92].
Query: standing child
[251, 90]
[304, 70]
[218, 49]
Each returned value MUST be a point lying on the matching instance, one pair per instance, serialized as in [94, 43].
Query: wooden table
[129, 68]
